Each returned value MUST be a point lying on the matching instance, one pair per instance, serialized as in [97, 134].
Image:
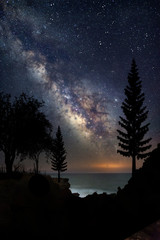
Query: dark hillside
[28, 210]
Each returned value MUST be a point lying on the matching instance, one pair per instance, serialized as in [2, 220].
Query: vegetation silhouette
[58, 154]
[34, 203]
[116, 216]
[39, 185]
[131, 141]
[24, 129]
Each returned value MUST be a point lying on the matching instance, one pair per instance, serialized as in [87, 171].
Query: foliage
[36, 128]
[24, 129]
[58, 154]
[131, 141]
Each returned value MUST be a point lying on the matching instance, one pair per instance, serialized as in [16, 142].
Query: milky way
[76, 57]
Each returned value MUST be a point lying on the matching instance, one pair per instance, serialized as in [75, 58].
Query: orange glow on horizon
[103, 166]
[110, 166]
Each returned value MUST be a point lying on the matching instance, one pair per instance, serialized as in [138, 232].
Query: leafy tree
[58, 154]
[36, 129]
[24, 129]
[7, 128]
[131, 141]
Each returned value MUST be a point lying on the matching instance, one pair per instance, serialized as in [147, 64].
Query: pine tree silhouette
[131, 141]
[58, 154]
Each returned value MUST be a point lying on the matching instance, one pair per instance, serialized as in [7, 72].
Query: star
[76, 57]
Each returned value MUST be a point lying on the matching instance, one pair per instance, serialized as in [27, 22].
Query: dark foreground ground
[151, 232]
[37, 207]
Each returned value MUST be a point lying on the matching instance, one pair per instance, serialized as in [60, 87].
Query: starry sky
[76, 55]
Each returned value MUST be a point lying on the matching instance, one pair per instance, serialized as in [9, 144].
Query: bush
[39, 185]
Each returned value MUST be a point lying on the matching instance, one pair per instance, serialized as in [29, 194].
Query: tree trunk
[36, 166]
[59, 176]
[133, 165]
[9, 163]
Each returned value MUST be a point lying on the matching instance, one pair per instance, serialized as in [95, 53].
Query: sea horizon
[88, 183]
[75, 172]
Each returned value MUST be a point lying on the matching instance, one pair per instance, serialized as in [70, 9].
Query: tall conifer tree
[131, 140]
[58, 154]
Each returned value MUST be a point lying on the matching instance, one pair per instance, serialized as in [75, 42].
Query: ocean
[88, 183]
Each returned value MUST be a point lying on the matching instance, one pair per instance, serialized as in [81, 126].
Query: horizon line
[50, 172]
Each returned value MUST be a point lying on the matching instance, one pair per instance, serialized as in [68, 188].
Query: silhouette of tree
[24, 130]
[132, 141]
[7, 145]
[34, 130]
[58, 154]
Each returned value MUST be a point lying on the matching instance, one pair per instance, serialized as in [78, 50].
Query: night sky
[76, 55]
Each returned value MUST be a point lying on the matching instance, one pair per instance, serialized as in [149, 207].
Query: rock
[76, 194]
